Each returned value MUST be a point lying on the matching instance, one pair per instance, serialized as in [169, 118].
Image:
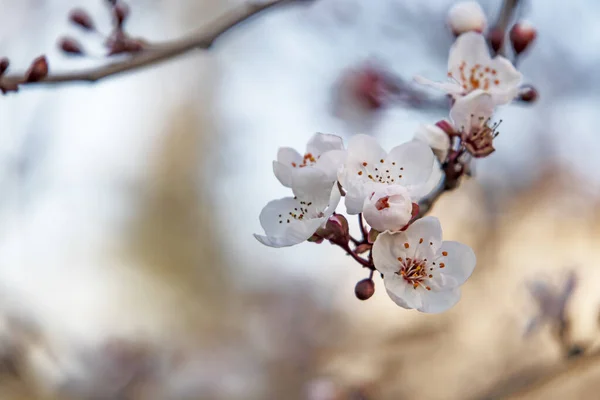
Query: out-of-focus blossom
[466, 16]
[369, 167]
[293, 220]
[420, 271]
[388, 208]
[324, 152]
[436, 138]
[470, 68]
[551, 301]
[521, 35]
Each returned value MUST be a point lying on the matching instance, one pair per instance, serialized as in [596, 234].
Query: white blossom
[324, 152]
[388, 208]
[470, 67]
[420, 271]
[466, 16]
[368, 167]
[436, 138]
[292, 220]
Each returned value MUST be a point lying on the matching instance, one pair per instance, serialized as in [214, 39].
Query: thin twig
[504, 17]
[361, 225]
[202, 39]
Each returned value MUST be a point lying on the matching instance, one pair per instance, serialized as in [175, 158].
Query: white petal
[427, 228]
[283, 173]
[331, 162]
[436, 302]
[386, 252]
[452, 88]
[364, 148]
[323, 142]
[403, 293]
[417, 160]
[459, 262]
[311, 183]
[473, 109]
[356, 193]
[334, 200]
[287, 156]
[389, 208]
[507, 75]
[436, 138]
[470, 48]
[466, 16]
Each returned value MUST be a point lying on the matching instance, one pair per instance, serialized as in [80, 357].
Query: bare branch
[155, 53]
[506, 14]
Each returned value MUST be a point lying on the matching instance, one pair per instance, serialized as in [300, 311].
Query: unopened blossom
[521, 35]
[388, 208]
[324, 152]
[420, 271]
[466, 16]
[292, 220]
[369, 167]
[436, 138]
[470, 117]
[470, 68]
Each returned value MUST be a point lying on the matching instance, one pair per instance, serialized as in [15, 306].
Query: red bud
[70, 46]
[521, 36]
[364, 289]
[4, 63]
[38, 70]
[82, 18]
[496, 39]
[121, 11]
[528, 94]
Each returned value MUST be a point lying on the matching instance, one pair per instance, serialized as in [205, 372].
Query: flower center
[382, 203]
[307, 160]
[479, 141]
[476, 77]
[302, 210]
[382, 172]
[414, 272]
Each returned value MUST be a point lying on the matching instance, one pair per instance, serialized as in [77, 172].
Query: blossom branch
[149, 54]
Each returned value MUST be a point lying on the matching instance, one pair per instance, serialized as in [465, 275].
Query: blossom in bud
[364, 289]
[528, 94]
[4, 64]
[292, 220]
[470, 68]
[368, 167]
[70, 46]
[496, 39]
[336, 230]
[388, 208]
[521, 36]
[420, 271]
[82, 18]
[436, 138]
[466, 16]
[38, 70]
[324, 153]
[121, 12]
[471, 117]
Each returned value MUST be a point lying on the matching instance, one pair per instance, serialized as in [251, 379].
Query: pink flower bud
[4, 63]
[364, 289]
[521, 36]
[466, 16]
[38, 70]
[70, 46]
[82, 18]
[496, 39]
[527, 94]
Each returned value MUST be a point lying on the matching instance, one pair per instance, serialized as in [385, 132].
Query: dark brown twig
[506, 14]
[202, 39]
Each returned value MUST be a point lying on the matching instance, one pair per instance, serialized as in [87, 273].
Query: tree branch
[155, 53]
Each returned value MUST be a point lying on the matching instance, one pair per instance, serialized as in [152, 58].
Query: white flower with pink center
[388, 208]
[292, 220]
[324, 152]
[420, 271]
[368, 167]
[470, 67]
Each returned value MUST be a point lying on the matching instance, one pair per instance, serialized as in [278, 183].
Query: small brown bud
[38, 70]
[364, 289]
[4, 63]
[521, 36]
[528, 94]
[70, 46]
[121, 11]
[496, 39]
[82, 18]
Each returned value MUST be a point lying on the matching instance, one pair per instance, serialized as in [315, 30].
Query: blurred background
[128, 269]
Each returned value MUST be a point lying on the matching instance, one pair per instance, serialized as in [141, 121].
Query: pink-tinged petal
[459, 262]
[469, 49]
[389, 208]
[289, 156]
[414, 160]
[452, 88]
[331, 162]
[403, 293]
[473, 109]
[323, 142]
[427, 228]
[435, 138]
[283, 173]
[434, 302]
[386, 251]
